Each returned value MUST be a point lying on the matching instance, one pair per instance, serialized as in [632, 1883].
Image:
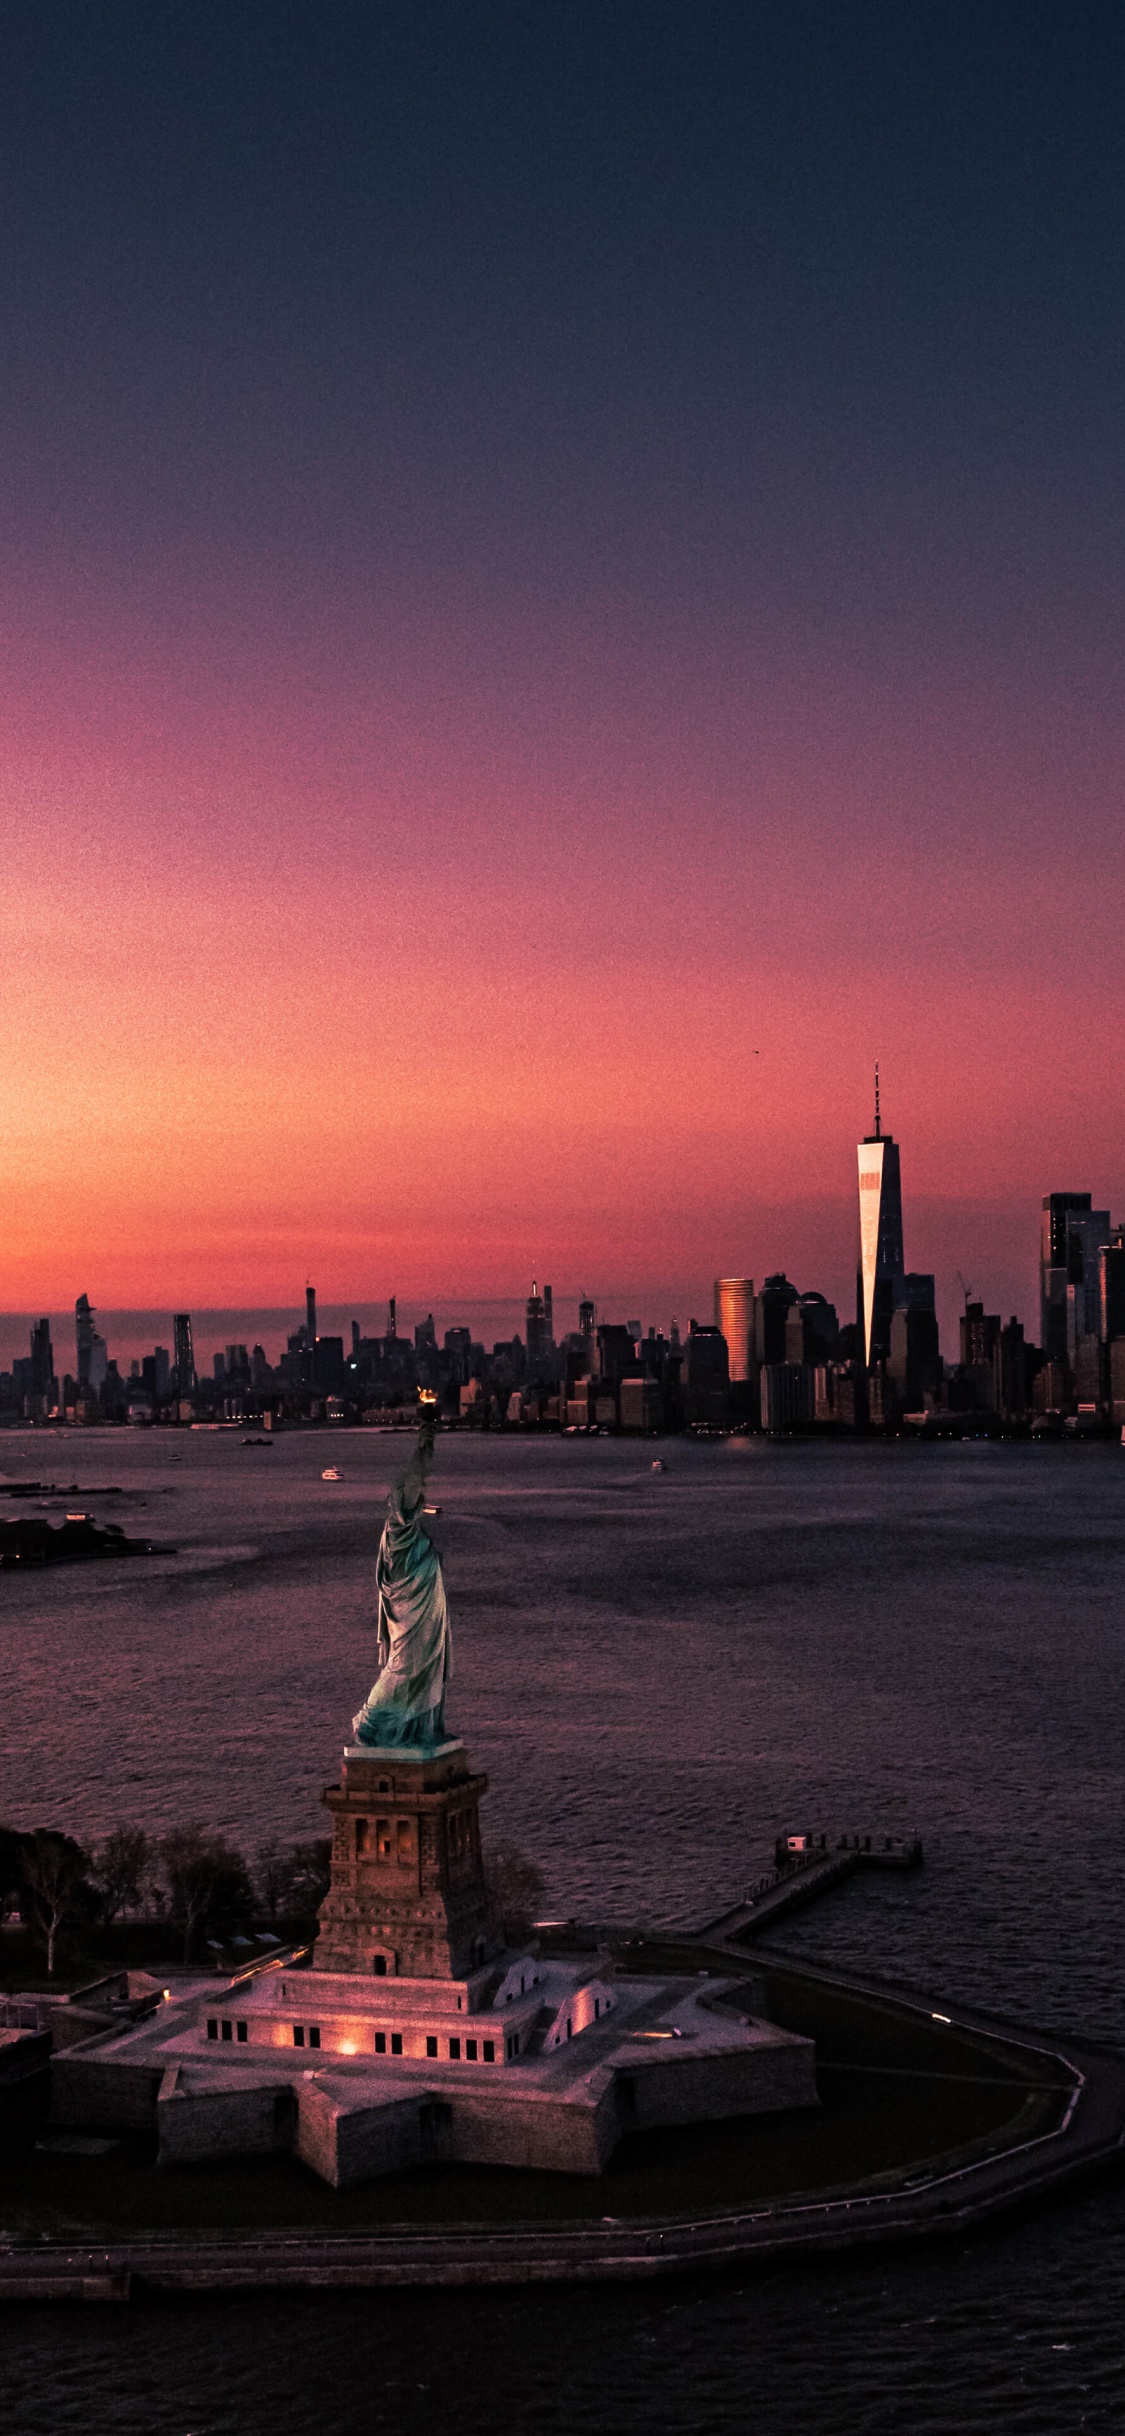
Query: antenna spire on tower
[877, 1126]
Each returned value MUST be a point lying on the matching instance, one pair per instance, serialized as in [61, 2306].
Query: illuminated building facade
[882, 1260]
[734, 1316]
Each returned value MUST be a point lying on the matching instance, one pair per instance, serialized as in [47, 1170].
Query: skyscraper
[1054, 1269]
[540, 1348]
[42, 1372]
[882, 1260]
[1071, 1238]
[182, 1353]
[310, 1317]
[87, 1340]
[734, 1315]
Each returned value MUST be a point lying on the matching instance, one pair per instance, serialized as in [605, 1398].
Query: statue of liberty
[406, 1702]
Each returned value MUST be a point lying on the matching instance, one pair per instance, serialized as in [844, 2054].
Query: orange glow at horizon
[445, 1022]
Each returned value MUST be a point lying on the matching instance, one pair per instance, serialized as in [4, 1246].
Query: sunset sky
[562, 593]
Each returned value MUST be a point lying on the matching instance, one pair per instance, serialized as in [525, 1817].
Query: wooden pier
[805, 1866]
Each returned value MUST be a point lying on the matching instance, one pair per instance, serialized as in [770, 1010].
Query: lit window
[396, 2042]
[455, 2051]
[380, 2042]
[431, 2046]
[383, 1839]
[298, 2034]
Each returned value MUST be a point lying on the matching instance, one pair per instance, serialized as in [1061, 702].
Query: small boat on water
[258, 1442]
[659, 1464]
[332, 1473]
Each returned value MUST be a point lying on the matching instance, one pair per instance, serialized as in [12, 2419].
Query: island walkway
[1088, 2137]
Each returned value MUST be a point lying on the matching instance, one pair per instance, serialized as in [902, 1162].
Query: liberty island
[270, 2104]
[418, 2033]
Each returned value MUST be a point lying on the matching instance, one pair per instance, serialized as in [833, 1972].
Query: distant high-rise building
[914, 1358]
[183, 1356]
[771, 1312]
[310, 1317]
[540, 1342]
[392, 1316]
[812, 1330]
[980, 1352]
[1086, 1232]
[706, 1376]
[91, 1348]
[734, 1316]
[1012, 1371]
[1054, 1269]
[457, 1345]
[882, 1260]
[328, 1365]
[42, 1371]
[84, 1336]
[1111, 1288]
[587, 1318]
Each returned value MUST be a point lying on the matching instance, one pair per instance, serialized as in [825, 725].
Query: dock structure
[805, 1866]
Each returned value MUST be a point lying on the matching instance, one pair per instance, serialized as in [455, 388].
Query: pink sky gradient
[321, 952]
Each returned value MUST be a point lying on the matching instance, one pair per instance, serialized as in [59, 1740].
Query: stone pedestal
[408, 1896]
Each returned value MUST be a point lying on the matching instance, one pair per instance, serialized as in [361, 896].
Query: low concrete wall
[90, 2092]
[679, 2087]
[540, 2134]
[250, 2119]
[346, 2143]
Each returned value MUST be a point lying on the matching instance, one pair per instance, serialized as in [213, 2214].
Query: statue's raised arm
[406, 1702]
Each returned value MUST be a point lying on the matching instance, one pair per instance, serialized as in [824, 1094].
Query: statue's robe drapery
[406, 1701]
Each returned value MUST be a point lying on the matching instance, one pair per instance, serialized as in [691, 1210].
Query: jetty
[805, 1866]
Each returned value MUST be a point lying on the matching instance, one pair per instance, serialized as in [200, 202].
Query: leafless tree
[55, 1880]
[204, 1877]
[272, 1873]
[309, 1874]
[121, 1868]
[514, 1883]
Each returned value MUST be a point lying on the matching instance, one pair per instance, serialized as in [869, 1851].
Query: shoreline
[1088, 2139]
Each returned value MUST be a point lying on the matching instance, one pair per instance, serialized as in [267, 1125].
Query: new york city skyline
[483, 782]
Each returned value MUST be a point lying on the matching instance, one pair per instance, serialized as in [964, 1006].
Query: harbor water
[659, 1671]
